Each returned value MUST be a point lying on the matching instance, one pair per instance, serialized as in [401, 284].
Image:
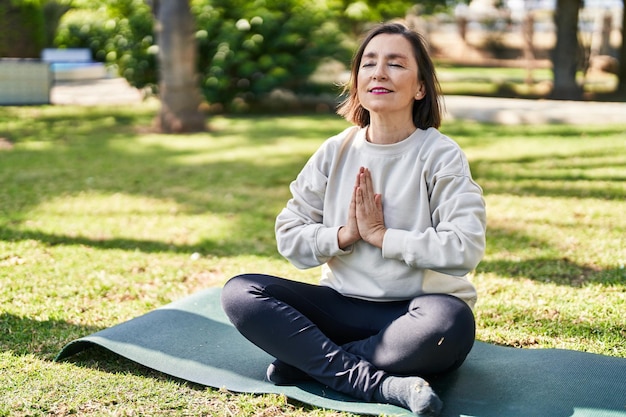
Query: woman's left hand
[369, 211]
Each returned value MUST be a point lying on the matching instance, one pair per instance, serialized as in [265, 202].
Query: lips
[379, 90]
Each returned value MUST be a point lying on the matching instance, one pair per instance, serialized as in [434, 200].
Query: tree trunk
[566, 53]
[21, 29]
[178, 79]
[621, 71]
[528, 35]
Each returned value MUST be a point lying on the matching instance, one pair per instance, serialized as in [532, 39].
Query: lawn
[516, 81]
[102, 220]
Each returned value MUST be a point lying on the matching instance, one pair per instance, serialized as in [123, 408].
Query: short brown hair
[426, 111]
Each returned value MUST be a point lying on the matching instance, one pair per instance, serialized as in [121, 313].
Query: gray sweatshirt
[434, 214]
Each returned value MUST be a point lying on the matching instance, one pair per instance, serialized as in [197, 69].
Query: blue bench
[73, 64]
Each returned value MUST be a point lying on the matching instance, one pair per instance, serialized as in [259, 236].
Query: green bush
[246, 49]
[118, 33]
[83, 28]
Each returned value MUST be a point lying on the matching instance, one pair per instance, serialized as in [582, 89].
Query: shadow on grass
[574, 175]
[553, 324]
[102, 359]
[553, 270]
[94, 158]
[96, 150]
[576, 164]
[476, 134]
[148, 246]
[541, 261]
[260, 244]
[25, 336]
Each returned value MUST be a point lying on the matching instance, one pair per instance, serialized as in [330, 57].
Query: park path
[483, 109]
[515, 111]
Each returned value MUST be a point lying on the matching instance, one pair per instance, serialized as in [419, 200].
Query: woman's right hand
[349, 234]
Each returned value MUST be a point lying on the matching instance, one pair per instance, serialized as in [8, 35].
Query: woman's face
[387, 78]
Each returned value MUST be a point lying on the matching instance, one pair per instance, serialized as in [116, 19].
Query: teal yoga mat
[193, 340]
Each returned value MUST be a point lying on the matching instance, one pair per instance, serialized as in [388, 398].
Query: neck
[385, 133]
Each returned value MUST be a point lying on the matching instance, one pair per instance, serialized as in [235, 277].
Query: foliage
[53, 10]
[101, 219]
[118, 32]
[84, 28]
[360, 13]
[22, 33]
[247, 49]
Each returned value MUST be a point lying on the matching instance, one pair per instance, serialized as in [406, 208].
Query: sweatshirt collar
[415, 139]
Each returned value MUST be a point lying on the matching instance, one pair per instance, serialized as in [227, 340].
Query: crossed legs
[349, 344]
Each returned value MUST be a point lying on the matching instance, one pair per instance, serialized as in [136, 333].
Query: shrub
[246, 49]
[119, 33]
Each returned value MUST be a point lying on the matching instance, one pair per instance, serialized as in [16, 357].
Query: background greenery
[250, 49]
[102, 220]
[23, 28]
[247, 49]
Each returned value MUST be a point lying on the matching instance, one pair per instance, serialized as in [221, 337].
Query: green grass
[512, 82]
[102, 220]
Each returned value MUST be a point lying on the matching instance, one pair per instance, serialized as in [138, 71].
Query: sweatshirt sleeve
[455, 243]
[301, 235]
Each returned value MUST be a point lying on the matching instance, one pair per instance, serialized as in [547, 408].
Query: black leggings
[346, 343]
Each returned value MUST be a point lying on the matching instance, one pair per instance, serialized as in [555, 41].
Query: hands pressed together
[365, 216]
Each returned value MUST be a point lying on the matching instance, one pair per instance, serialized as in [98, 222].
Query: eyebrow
[392, 55]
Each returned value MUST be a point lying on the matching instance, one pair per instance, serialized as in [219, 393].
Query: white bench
[73, 64]
[54, 55]
[24, 81]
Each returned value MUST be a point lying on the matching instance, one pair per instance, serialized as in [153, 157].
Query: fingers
[349, 233]
[365, 216]
[378, 200]
[365, 189]
[358, 177]
[364, 175]
[352, 208]
[369, 210]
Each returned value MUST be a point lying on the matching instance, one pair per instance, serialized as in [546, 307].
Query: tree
[178, 80]
[246, 50]
[566, 54]
[53, 10]
[621, 71]
[22, 32]
[356, 16]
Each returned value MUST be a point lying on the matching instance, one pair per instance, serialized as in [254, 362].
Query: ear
[421, 92]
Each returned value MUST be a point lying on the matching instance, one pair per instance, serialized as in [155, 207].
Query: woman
[390, 211]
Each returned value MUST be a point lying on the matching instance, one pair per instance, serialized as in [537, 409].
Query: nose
[379, 73]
